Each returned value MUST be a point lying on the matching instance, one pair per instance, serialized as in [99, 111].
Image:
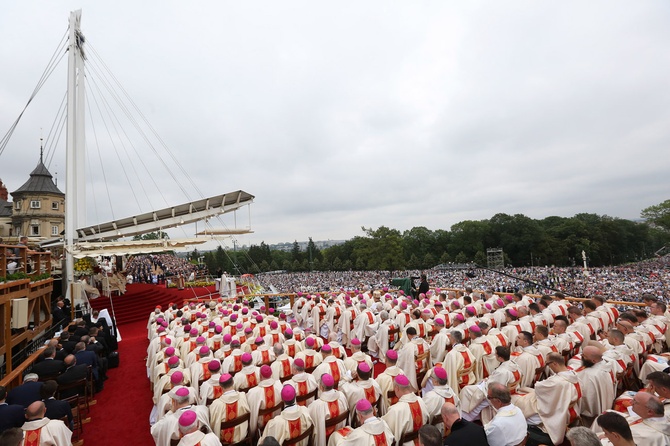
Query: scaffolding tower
[495, 258]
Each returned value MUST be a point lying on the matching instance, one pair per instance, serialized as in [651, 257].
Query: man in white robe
[191, 433]
[459, 363]
[440, 342]
[281, 367]
[293, 421]
[530, 359]
[265, 395]
[331, 365]
[596, 382]
[167, 428]
[364, 387]
[408, 414]
[230, 405]
[357, 357]
[379, 343]
[554, 402]
[249, 376]
[309, 355]
[648, 423]
[39, 428]
[371, 430]
[440, 393]
[386, 379]
[330, 404]
[483, 351]
[414, 348]
[303, 383]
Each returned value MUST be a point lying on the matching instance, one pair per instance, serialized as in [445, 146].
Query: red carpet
[141, 299]
[121, 414]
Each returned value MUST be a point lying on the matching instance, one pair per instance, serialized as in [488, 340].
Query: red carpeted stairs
[140, 299]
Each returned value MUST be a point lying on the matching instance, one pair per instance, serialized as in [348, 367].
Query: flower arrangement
[84, 267]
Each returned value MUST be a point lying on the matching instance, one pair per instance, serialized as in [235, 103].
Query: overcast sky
[338, 115]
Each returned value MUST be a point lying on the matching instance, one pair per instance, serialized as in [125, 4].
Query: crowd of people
[365, 365]
[627, 282]
[156, 268]
[39, 411]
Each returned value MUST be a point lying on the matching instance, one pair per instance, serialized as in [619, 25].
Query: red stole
[380, 439]
[269, 393]
[502, 339]
[467, 366]
[206, 373]
[335, 371]
[228, 435]
[275, 338]
[571, 410]
[371, 318]
[370, 395]
[237, 363]
[417, 418]
[216, 345]
[285, 367]
[302, 390]
[309, 361]
[291, 350]
[217, 391]
[32, 438]
[294, 428]
[252, 381]
[265, 356]
[262, 331]
[334, 411]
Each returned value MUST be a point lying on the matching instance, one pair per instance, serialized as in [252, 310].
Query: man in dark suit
[91, 359]
[49, 367]
[11, 415]
[56, 409]
[27, 393]
[463, 432]
[67, 343]
[74, 372]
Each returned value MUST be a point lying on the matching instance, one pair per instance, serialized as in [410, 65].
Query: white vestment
[49, 432]
[230, 405]
[407, 415]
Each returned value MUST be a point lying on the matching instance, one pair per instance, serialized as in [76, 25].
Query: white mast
[75, 191]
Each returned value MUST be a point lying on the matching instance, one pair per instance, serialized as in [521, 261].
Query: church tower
[39, 206]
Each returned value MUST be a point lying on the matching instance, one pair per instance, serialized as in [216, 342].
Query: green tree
[428, 261]
[445, 257]
[337, 264]
[157, 235]
[382, 248]
[296, 254]
[461, 258]
[658, 215]
[480, 258]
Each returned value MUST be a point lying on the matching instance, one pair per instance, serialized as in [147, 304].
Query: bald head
[591, 355]
[646, 405]
[36, 410]
[449, 415]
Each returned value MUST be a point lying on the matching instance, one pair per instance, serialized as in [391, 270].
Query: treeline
[557, 241]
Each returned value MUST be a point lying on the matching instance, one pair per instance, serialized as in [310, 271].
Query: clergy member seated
[193, 432]
[331, 404]
[409, 413]
[232, 404]
[293, 421]
[647, 421]
[371, 431]
[38, 429]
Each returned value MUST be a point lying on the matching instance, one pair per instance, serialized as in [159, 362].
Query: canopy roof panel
[166, 218]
